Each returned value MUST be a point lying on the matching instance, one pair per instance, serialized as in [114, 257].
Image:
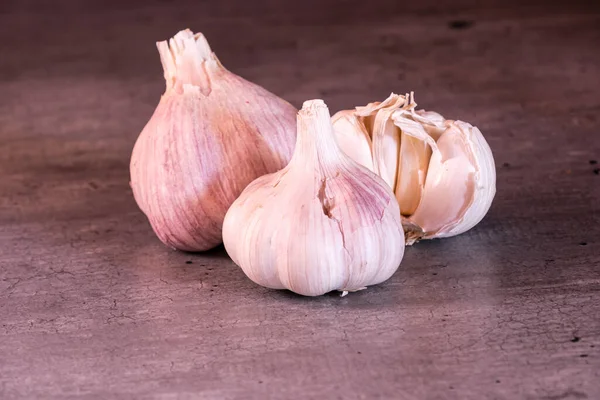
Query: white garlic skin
[323, 223]
[211, 134]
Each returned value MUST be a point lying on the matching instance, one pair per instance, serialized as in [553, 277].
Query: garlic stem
[315, 143]
[185, 58]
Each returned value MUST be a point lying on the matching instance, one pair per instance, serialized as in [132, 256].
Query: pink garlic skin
[211, 134]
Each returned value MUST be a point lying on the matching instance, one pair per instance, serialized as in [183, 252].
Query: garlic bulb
[211, 134]
[441, 171]
[322, 223]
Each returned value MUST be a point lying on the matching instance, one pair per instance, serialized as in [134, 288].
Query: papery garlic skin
[211, 134]
[357, 142]
[445, 174]
[323, 223]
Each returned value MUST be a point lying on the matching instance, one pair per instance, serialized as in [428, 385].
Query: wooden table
[93, 306]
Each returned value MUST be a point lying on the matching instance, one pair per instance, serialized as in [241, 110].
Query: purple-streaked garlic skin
[323, 223]
[211, 134]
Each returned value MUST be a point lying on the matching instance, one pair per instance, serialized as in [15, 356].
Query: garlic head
[211, 134]
[323, 223]
[441, 171]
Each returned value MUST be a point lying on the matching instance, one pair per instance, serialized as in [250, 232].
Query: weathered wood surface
[93, 306]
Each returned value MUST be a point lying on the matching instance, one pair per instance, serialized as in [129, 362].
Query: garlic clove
[386, 146]
[415, 156]
[375, 118]
[413, 165]
[449, 187]
[322, 223]
[463, 171]
[211, 134]
[460, 183]
[352, 137]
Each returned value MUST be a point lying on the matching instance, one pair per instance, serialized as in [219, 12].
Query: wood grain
[93, 306]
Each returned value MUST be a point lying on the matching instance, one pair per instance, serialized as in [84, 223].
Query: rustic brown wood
[93, 306]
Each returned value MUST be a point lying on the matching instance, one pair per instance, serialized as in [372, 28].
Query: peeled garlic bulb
[441, 171]
[322, 223]
[211, 134]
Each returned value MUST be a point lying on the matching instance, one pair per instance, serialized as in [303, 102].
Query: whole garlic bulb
[322, 223]
[441, 171]
[211, 134]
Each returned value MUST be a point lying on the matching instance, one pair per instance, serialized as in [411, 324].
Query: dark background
[92, 305]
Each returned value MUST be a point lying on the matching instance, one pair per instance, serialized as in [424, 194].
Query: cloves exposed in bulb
[441, 171]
